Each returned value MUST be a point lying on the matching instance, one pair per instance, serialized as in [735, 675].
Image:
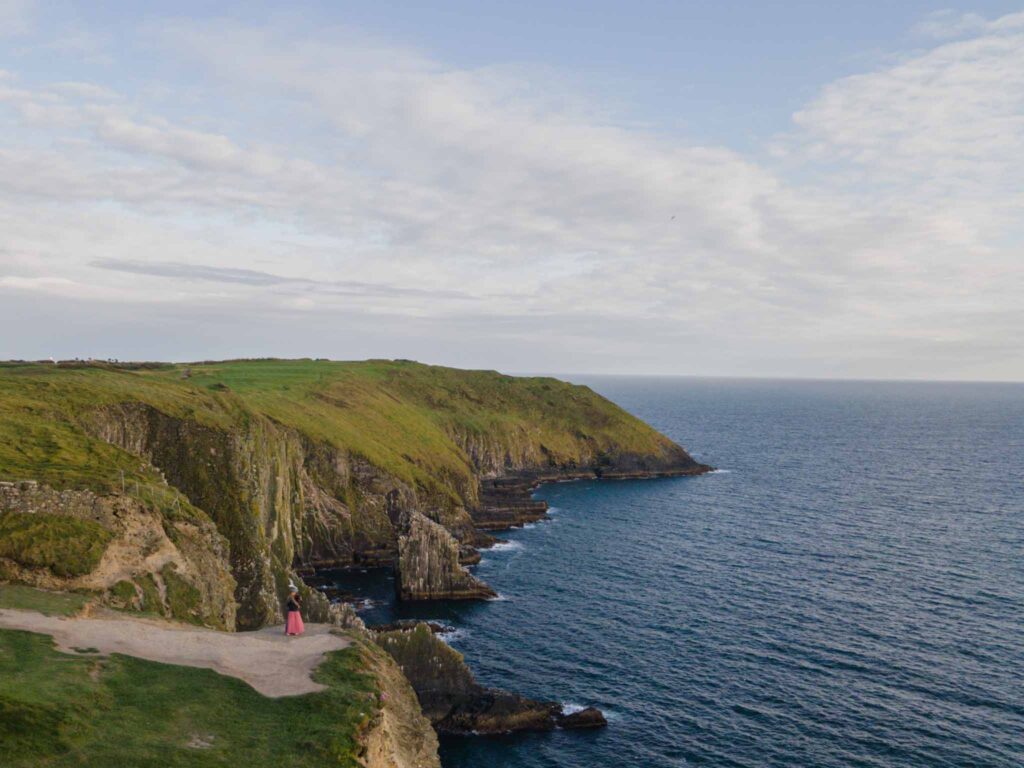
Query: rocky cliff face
[428, 565]
[286, 502]
[259, 484]
[453, 700]
[400, 736]
[380, 462]
[148, 562]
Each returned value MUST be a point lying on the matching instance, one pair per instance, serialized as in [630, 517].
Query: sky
[799, 189]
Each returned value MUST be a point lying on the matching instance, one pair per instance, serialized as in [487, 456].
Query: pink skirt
[294, 625]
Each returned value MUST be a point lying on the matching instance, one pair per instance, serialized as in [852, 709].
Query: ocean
[846, 590]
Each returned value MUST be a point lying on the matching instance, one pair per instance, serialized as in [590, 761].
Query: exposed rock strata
[506, 500]
[455, 702]
[428, 565]
[399, 735]
[274, 494]
[288, 502]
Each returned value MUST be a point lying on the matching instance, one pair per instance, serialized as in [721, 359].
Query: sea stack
[428, 565]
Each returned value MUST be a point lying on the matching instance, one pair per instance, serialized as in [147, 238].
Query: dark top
[294, 604]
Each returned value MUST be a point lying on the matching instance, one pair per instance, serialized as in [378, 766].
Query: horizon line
[647, 375]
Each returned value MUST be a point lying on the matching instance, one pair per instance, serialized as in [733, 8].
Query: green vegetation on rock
[66, 545]
[60, 710]
[405, 418]
[48, 603]
[182, 598]
[300, 462]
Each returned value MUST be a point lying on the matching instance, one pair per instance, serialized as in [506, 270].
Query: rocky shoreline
[455, 703]
[448, 692]
[507, 502]
[203, 493]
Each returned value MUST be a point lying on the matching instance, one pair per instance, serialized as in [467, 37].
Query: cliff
[399, 735]
[428, 565]
[456, 703]
[178, 695]
[256, 471]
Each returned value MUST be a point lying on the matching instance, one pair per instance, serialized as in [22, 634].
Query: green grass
[401, 416]
[184, 599]
[49, 603]
[60, 710]
[66, 545]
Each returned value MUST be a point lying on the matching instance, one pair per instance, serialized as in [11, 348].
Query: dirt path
[273, 664]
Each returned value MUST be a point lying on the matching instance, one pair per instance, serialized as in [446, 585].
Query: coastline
[454, 702]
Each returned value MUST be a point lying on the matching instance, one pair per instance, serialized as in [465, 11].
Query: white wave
[571, 708]
[453, 636]
[720, 472]
[554, 510]
[499, 599]
[505, 546]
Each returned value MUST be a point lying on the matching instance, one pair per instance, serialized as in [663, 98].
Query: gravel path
[273, 664]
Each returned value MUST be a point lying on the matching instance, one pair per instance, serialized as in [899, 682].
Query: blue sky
[787, 189]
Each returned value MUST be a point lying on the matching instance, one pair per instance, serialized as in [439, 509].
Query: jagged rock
[270, 490]
[408, 625]
[398, 735]
[428, 565]
[454, 701]
[591, 717]
[344, 616]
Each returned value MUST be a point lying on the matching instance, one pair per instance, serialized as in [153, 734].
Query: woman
[294, 624]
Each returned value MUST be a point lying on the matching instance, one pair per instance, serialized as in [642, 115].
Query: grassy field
[68, 710]
[398, 415]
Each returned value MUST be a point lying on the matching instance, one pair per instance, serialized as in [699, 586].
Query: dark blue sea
[847, 590]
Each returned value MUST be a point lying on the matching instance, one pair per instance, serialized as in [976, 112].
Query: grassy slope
[396, 414]
[65, 710]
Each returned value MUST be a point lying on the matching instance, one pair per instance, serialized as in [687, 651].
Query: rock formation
[399, 735]
[175, 565]
[428, 565]
[351, 463]
[590, 717]
[456, 703]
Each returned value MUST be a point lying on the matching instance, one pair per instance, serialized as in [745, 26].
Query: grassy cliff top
[399, 415]
[60, 709]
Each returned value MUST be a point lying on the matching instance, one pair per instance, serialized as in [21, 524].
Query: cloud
[16, 17]
[325, 174]
[183, 271]
[951, 116]
[947, 24]
[34, 283]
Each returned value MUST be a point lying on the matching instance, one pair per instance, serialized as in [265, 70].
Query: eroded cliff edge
[282, 466]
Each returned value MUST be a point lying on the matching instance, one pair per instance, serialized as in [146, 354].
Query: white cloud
[476, 201]
[947, 24]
